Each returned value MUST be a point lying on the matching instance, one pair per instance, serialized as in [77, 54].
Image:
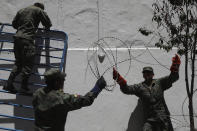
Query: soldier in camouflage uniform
[51, 104]
[151, 93]
[26, 23]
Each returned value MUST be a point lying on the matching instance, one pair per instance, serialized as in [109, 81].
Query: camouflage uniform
[51, 104]
[51, 109]
[26, 22]
[157, 115]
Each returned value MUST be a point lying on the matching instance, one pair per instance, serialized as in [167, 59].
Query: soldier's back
[26, 22]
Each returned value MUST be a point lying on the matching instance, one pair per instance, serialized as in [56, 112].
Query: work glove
[175, 63]
[119, 79]
[99, 86]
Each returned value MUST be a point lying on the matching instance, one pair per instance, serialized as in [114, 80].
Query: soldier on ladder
[26, 23]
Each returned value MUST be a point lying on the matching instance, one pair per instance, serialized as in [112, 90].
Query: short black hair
[51, 84]
[40, 5]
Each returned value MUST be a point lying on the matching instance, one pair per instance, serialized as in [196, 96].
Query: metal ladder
[47, 41]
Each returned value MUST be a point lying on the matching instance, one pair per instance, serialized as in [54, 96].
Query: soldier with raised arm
[51, 104]
[151, 93]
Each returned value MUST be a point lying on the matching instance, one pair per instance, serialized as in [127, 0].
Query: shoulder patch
[75, 95]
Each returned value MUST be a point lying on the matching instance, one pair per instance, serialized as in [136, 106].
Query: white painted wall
[111, 111]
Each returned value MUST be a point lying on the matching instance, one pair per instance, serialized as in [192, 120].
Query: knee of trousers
[147, 127]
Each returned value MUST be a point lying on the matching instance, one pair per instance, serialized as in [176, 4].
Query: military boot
[9, 85]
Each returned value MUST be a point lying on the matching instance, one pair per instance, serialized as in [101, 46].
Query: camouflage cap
[53, 74]
[147, 68]
[40, 5]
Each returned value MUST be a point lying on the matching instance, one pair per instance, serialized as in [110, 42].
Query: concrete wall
[111, 111]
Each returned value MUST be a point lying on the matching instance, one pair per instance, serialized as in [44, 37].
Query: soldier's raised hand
[116, 75]
[119, 79]
[99, 86]
[101, 82]
[175, 63]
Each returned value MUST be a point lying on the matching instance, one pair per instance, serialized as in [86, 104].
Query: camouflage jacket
[152, 97]
[27, 21]
[51, 108]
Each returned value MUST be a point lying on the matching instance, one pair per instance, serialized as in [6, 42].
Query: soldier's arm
[167, 81]
[45, 20]
[15, 21]
[74, 102]
[131, 89]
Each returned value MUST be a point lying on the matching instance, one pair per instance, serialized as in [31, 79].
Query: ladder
[51, 52]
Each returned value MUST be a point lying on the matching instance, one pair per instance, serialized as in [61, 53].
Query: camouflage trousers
[156, 126]
[24, 51]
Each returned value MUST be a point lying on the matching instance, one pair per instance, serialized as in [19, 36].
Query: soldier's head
[40, 5]
[148, 73]
[54, 79]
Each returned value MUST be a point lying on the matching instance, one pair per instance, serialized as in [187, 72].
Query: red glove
[116, 76]
[175, 63]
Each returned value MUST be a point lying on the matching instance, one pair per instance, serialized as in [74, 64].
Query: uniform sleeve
[74, 102]
[45, 20]
[167, 81]
[15, 21]
[131, 89]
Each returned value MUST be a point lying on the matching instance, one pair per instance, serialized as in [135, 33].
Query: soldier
[151, 93]
[26, 23]
[51, 104]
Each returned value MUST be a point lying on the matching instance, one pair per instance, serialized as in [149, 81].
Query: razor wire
[99, 45]
[112, 58]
